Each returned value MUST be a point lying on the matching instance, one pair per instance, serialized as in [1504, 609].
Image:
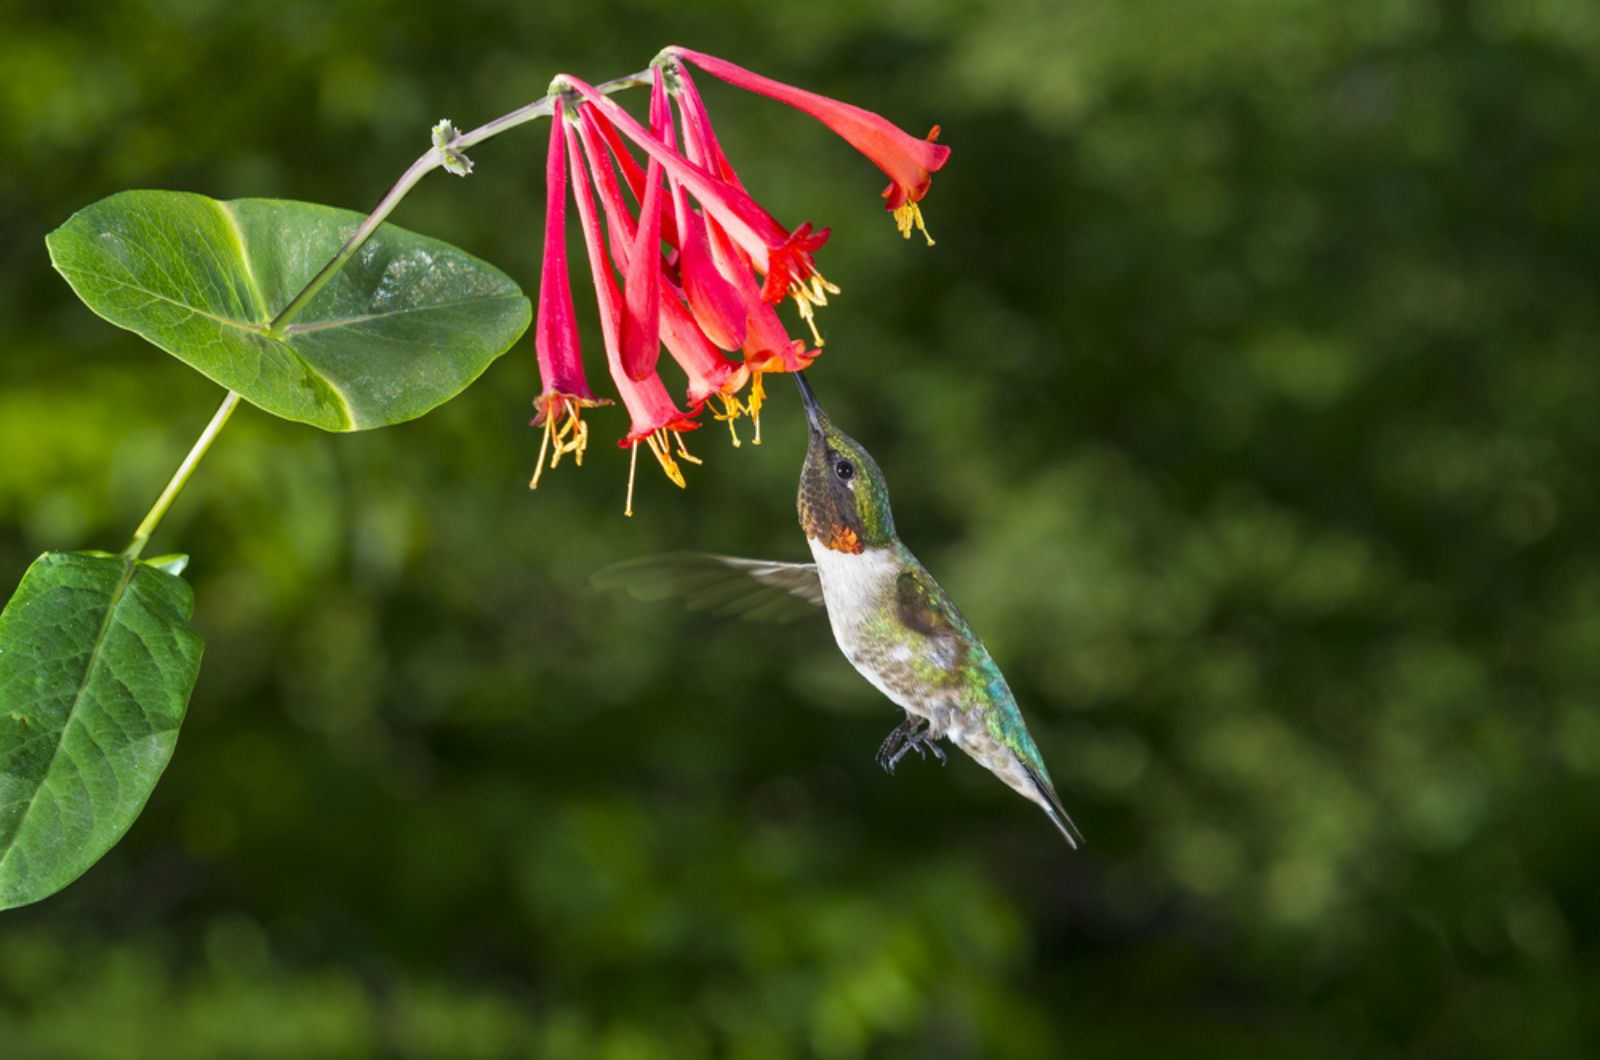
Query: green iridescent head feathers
[844, 501]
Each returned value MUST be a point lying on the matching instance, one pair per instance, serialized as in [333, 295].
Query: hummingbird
[891, 619]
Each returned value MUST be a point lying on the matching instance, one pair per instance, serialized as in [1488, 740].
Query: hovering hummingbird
[893, 622]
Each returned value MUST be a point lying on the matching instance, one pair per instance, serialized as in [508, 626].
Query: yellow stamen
[659, 446]
[807, 293]
[908, 215]
[753, 403]
[544, 447]
[810, 317]
[633, 466]
[683, 450]
[564, 432]
[731, 410]
[821, 289]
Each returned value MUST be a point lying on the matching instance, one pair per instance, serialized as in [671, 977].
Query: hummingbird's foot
[894, 745]
[909, 736]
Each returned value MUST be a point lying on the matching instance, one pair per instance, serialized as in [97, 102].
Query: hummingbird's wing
[724, 585]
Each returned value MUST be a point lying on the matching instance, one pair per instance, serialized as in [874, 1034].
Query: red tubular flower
[792, 271]
[641, 323]
[565, 390]
[710, 374]
[697, 268]
[909, 162]
[656, 421]
[767, 345]
[700, 141]
[711, 298]
[632, 172]
[784, 258]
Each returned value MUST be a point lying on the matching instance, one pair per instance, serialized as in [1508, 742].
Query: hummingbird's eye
[845, 470]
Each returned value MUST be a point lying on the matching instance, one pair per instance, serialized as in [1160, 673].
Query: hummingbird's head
[844, 502]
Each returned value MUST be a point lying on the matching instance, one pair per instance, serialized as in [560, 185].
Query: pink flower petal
[555, 336]
[649, 406]
[909, 162]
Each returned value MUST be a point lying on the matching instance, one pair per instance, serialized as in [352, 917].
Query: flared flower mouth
[682, 257]
[908, 162]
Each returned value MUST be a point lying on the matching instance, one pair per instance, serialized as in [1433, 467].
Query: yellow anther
[808, 293]
[731, 410]
[809, 316]
[683, 450]
[663, 454]
[753, 403]
[908, 215]
[564, 432]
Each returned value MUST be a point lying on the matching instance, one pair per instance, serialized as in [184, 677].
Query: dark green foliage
[1245, 407]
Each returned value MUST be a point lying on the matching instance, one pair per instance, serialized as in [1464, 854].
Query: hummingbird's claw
[894, 745]
[910, 735]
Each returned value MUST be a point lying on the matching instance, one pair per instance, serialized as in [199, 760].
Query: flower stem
[180, 478]
[432, 159]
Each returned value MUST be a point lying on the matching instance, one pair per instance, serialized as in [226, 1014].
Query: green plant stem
[180, 478]
[429, 161]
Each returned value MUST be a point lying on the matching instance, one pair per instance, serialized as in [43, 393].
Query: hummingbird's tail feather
[1052, 807]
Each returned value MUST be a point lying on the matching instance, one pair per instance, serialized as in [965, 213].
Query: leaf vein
[32, 802]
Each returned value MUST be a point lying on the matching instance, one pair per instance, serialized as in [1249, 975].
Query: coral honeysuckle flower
[700, 139]
[767, 345]
[565, 390]
[632, 172]
[909, 162]
[640, 262]
[784, 258]
[787, 276]
[698, 267]
[656, 421]
[710, 374]
[711, 298]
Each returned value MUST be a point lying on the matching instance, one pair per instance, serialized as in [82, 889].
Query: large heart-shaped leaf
[406, 325]
[97, 660]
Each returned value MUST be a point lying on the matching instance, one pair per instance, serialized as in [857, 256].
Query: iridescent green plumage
[893, 622]
[899, 628]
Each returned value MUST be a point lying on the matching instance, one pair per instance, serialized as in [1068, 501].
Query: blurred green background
[1247, 406]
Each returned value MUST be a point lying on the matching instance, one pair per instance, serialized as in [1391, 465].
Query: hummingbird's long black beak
[814, 411]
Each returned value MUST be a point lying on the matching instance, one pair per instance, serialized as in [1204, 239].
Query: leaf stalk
[180, 478]
[432, 159]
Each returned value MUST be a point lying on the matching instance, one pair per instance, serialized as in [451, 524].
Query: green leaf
[405, 326]
[97, 660]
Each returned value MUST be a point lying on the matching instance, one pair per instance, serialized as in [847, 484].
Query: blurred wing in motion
[723, 585]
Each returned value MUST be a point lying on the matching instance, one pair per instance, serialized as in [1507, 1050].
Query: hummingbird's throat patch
[845, 539]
